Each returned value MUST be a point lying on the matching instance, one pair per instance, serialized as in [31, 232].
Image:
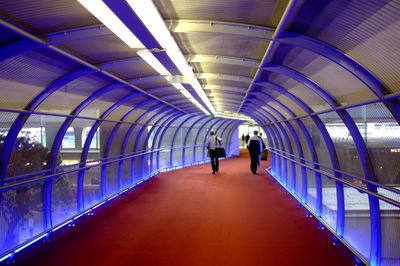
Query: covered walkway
[98, 96]
[191, 217]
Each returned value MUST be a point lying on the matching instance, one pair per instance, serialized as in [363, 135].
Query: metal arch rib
[192, 58]
[173, 25]
[78, 60]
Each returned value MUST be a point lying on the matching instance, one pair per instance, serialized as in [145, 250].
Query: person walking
[247, 138]
[255, 148]
[243, 139]
[213, 142]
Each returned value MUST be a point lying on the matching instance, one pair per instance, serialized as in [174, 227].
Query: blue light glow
[88, 211]
[79, 215]
[123, 191]
[98, 205]
[6, 257]
[62, 225]
[112, 197]
[30, 243]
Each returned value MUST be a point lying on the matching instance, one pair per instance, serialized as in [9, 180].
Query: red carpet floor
[191, 217]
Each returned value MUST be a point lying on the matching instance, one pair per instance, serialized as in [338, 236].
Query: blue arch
[174, 137]
[187, 136]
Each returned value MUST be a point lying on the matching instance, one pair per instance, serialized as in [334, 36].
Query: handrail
[391, 189]
[14, 178]
[341, 180]
[5, 110]
[34, 180]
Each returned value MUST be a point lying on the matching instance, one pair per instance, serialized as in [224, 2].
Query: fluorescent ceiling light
[111, 21]
[151, 18]
[233, 116]
[186, 94]
[178, 86]
[153, 62]
[197, 87]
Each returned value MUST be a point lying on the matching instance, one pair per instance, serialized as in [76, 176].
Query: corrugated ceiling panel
[74, 92]
[333, 78]
[131, 70]
[100, 49]
[264, 13]
[24, 76]
[37, 68]
[221, 44]
[222, 69]
[44, 16]
[366, 30]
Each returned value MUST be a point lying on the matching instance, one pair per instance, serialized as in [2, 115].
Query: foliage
[21, 204]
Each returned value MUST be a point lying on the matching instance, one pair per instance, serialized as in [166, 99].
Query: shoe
[213, 173]
[217, 170]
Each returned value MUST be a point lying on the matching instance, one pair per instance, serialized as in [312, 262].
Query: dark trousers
[253, 163]
[214, 161]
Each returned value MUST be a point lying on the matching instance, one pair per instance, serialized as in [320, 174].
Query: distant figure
[213, 142]
[243, 140]
[255, 148]
[247, 138]
[263, 148]
[263, 144]
[264, 153]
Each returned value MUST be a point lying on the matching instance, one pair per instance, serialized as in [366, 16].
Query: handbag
[219, 151]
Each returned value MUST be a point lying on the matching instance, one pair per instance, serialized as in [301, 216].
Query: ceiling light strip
[151, 18]
[111, 21]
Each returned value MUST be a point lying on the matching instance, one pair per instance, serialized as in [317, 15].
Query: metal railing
[28, 229]
[346, 187]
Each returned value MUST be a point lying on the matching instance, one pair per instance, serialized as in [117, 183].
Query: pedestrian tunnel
[99, 96]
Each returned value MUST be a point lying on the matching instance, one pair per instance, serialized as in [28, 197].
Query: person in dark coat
[247, 138]
[255, 148]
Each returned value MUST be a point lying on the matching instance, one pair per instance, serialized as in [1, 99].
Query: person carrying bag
[215, 151]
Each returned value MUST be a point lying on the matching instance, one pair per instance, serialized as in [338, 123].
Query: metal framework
[294, 151]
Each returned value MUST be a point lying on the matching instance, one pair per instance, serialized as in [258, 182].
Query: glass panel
[311, 190]
[177, 156]
[299, 182]
[390, 226]
[188, 155]
[31, 150]
[357, 229]
[112, 178]
[95, 143]
[68, 141]
[73, 155]
[329, 201]
[164, 159]
[91, 187]
[118, 139]
[380, 132]
[63, 199]
[21, 214]
[289, 176]
[127, 173]
[346, 149]
[318, 141]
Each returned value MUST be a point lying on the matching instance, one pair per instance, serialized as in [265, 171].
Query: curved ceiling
[236, 49]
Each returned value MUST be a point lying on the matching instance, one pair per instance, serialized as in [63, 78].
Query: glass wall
[59, 167]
